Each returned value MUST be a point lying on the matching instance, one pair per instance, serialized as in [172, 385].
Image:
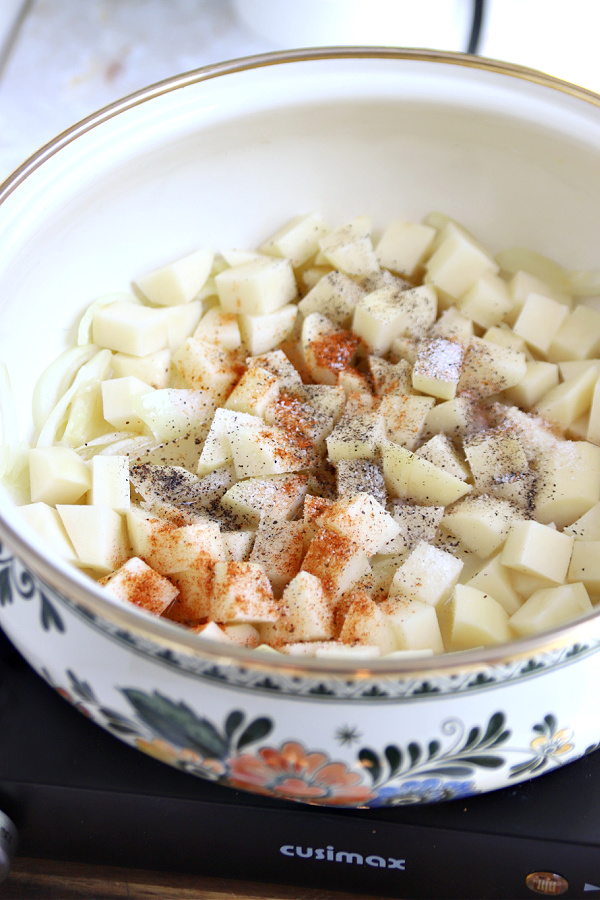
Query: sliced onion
[56, 379]
[95, 370]
[584, 282]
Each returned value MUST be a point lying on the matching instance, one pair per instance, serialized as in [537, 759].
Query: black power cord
[478, 13]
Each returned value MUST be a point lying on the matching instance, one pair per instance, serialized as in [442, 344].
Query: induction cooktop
[77, 793]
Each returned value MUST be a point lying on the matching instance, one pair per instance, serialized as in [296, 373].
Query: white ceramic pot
[223, 156]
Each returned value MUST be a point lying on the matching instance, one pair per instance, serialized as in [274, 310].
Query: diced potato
[481, 523]
[385, 314]
[241, 634]
[454, 418]
[357, 437]
[307, 613]
[366, 624]
[261, 452]
[440, 451]
[578, 337]
[327, 399]
[57, 475]
[278, 550]
[593, 431]
[169, 548]
[472, 618]
[238, 544]
[390, 378]
[254, 392]
[182, 321]
[279, 497]
[152, 369]
[411, 477]
[458, 261]
[98, 534]
[335, 296]
[522, 284]
[349, 248]
[453, 325]
[428, 574]
[300, 418]
[550, 607]
[587, 527]
[404, 417]
[489, 368]
[416, 523]
[129, 327]
[338, 561]
[219, 327]
[568, 482]
[242, 593]
[487, 301]
[355, 476]
[505, 337]
[45, 520]
[265, 332]
[539, 550]
[539, 321]
[110, 482]
[217, 448]
[566, 402]
[195, 587]
[207, 368]
[585, 565]
[494, 578]
[404, 246]
[540, 378]
[298, 240]
[279, 365]
[495, 458]
[257, 287]
[119, 397]
[326, 349]
[136, 582]
[414, 624]
[437, 368]
[171, 412]
[362, 519]
[179, 281]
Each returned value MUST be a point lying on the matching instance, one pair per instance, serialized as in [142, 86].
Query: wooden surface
[40, 879]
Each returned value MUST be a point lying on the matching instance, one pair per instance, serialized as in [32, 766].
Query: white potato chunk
[278, 549]
[472, 618]
[587, 526]
[489, 368]
[481, 524]
[152, 369]
[458, 261]
[357, 436]
[338, 561]
[366, 624]
[416, 523]
[335, 296]
[428, 574]
[539, 550]
[219, 327]
[540, 378]
[46, 522]
[390, 378]
[585, 565]
[109, 486]
[57, 475]
[130, 328]
[98, 534]
[453, 325]
[279, 497]
[487, 301]
[550, 607]
[179, 281]
[539, 321]
[355, 476]
[494, 578]
[259, 452]
[568, 482]
[440, 451]
[119, 396]
[136, 582]
[173, 412]
[297, 240]
[578, 337]
[567, 402]
[414, 624]
[242, 593]
[495, 458]
[326, 349]
[404, 246]
[437, 368]
[387, 313]
[217, 448]
[362, 519]
[411, 477]
[257, 287]
[169, 548]
[307, 613]
[404, 417]
[349, 248]
[254, 392]
[182, 320]
[207, 368]
[265, 332]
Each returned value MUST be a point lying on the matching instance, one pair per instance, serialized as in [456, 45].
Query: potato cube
[539, 321]
[179, 281]
[129, 327]
[254, 392]
[487, 301]
[522, 284]
[387, 313]
[489, 368]
[326, 349]
[567, 402]
[241, 634]
[335, 296]
[593, 430]
[438, 367]
[327, 399]
[495, 457]
[118, 402]
[278, 497]
[260, 452]
[238, 544]
[219, 327]
[349, 248]
[568, 482]
[98, 534]
[278, 550]
[136, 582]
[587, 526]
[205, 367]
[365, 623]
[152, 369]
[540, 378]
[265, 332]
[242, 593]
[481, 523]
[307, 613]
[411, 477]
[505, 337]
[404, 246]
[390, 378]
[428, 574]
[181, 322]
[299, 417]
[46, 522]
[454, 418]
[195, 586]
[472, 618]
[355, 476]
[494, 578]
[357, 437]
[278, 364]
[539, 550]
[217, 449]
[550, 607]
[298, 240]
[174, 412]
[414, 624]
[338, 561]
[458, 261]
[169, 548]
[440, 451]
[110, 482]
[453, 325]
[416, 523]
[257, 287]
[578, 337]
[57, 475]
[585, 565]
[362, 519]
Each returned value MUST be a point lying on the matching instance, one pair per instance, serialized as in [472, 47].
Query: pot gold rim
[172, 636]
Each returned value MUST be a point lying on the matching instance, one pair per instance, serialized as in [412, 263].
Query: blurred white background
[62, 59]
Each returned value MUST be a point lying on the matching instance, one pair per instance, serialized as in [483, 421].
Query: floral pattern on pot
[17, 582]
[238, 754]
